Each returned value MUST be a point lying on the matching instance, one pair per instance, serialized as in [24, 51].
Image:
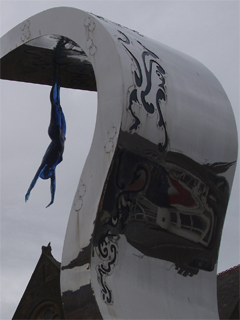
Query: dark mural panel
[168, 206]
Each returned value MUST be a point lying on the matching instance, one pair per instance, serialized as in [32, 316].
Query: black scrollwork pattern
[144, 86]
[107, 250]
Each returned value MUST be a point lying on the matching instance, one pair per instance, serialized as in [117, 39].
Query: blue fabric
[57, 132]
[54, 152]
[57, 116]
[47, 171]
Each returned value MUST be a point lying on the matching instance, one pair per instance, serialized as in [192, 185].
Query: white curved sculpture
[145, 226]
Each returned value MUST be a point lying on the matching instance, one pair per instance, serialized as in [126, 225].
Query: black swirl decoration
[107, 251]
[142, 92]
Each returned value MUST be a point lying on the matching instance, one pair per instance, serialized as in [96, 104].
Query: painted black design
[143, 87]
[125, 38]
[107, 250]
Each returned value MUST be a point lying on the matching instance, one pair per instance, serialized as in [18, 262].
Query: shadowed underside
[32, 62]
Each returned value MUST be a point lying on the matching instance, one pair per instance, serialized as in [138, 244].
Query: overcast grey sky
[206, 30]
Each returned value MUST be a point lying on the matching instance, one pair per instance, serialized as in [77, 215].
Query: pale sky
[206, 30]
